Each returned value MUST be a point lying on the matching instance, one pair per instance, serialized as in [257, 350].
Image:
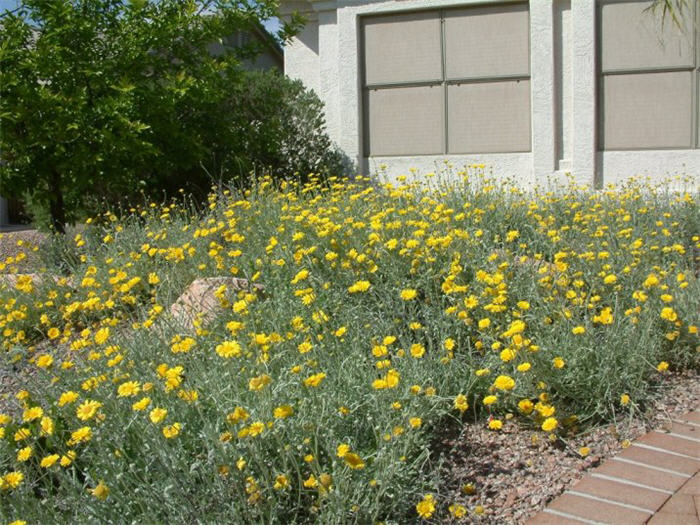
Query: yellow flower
[490, 400]
[503, 382]
[408, 294]
[283, 411]
[415, 422]
[314, 380]
[101, 491]
[67, 397]
[101, 335]
[359, 286]
[172, 431]
[525, 406]
[482, 372]
[353, 461]
[669, 314]
[49, 461]
[417, 350]
[157, 415]
[32, 413]
[53, 333]
[549, 424]
[457, 511]
[578, 330]
[524, 367]
[281, 482]
[87, 409]
[81, 435]
[44, 361]
[228, 349]
[426, 507]
[460, 403]
[11, 480]
[662, 366]
[624, 399]
[495, 424]
[128, 389]
[141, 404]
[484, 323]
[342, 450]
[24, 454]
[584, 451]
[558, 362]
[259, 382]
[47, 426]
[604, 317]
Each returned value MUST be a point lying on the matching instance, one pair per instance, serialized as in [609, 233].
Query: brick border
[656, 481]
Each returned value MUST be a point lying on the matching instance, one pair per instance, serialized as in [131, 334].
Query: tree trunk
[58, 212]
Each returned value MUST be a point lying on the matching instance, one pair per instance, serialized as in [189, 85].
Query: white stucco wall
[326, 56]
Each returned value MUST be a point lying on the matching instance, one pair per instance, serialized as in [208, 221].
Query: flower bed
[390, 315]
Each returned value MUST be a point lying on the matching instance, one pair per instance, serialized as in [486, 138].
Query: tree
[108, 97]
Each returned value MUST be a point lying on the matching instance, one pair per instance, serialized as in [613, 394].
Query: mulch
[515, 472]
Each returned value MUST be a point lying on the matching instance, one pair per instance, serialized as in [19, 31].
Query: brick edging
[656, 480]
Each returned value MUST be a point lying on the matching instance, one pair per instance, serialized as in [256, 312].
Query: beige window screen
[449, 81]
[648, 78]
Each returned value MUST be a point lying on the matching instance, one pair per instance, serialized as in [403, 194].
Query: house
[269, 55]
[599, 89]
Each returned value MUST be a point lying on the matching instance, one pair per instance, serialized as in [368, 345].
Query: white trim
[652, 467]
[572, 517]
[630, 483]
[603, 500]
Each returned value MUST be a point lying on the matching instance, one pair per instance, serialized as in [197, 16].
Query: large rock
[200, 300]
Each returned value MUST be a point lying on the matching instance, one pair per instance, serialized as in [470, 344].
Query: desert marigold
[549, 424]
[495, 424]
[88, 409]
[460, 402]
[101, 491]
[417, 350]
[228, 349]
[157, 415]
[504, 382]
[408, 294]
[172, 431]
[353, 461]
[283, 411]
[32, 413]
[314, 380]
[426, 507]
[129, 389]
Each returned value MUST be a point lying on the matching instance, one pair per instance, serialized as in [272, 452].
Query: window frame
[444, 82]
[694, 70]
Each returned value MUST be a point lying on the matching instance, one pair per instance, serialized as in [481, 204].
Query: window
[648, 78]
[451, 81]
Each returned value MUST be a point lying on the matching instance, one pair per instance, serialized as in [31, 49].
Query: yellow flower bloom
[549, 424]
[426, 507]
[101, 491]
[408, 294]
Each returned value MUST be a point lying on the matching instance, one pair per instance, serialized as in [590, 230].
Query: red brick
[661, 460]
[692, 486]
[692, 416]
[674, 444]
[545, 518]
[643, 475]
[680, 504]
[670, 518]
[622, 493]
[598, 510]
[686, 430]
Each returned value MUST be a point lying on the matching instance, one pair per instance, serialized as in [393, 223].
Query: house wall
[564, 83]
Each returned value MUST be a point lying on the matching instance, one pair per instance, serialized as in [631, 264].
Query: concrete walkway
[656, 481]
